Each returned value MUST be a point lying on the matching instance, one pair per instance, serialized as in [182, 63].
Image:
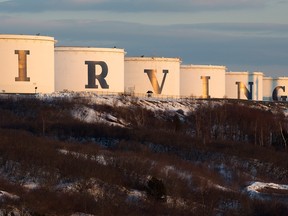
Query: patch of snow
[173, 104]
[30, 185]
[254, 189]
[89, 115]
[135, 196]
[217, 186]
[260, 185]
[85, 114]
[5, 195]
[98, 158]
[178, 202]
[111, 118]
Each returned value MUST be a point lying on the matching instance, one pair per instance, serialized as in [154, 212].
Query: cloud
[129, 5]
[239, 45]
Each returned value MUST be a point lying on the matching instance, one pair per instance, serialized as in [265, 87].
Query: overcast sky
[244, 35]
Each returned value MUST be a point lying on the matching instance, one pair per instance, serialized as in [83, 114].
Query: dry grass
[32, 132]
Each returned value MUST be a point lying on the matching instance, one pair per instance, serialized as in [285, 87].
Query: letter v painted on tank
[22, 65]
[92, 77]
[153, 80]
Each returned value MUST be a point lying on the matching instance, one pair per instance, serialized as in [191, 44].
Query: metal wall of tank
[89, 69]
[31, 64]
[202, 81]
[244, 85]
[275, 89]
[27, 64]
[152, 74]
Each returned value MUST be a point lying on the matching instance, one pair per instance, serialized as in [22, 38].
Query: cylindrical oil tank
[267, 88]
[275, 89]
[244, 85]
[89, 69]
[202, 81]
[27, 63]
[155, 75]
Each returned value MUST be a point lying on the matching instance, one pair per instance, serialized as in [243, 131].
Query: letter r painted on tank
[153, 79]
[92, 77]
[22, 65]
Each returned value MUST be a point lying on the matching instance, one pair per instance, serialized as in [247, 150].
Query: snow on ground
[120, 100]
[89, 115]
[184, 175]
[135, 196]
[257, 189]
[181, 106]
[31, 185]
[98, 158]
[5, 195]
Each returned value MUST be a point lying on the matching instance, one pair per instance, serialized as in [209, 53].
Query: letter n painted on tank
[275, 92]
[243, 88]
[92, 77]
[205, 86]
[153, 79]
[22, 65]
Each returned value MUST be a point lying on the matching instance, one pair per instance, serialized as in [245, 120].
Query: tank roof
[204, 66]
[26, 37]
[144, 58]
[244, 73]
[86, 49]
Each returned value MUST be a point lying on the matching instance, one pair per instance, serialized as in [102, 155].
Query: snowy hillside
[82, 153]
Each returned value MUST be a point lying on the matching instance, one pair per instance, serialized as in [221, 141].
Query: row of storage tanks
[31, 64]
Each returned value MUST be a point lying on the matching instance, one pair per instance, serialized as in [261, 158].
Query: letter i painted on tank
[92, 77]
[275, 93]
[153, 80]
[22, 65]
[205, 86]
[243, 88]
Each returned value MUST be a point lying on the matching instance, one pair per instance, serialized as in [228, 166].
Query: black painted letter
[242, 87]
[275, 93]
[92, 74]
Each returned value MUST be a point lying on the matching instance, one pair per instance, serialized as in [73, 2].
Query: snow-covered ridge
[152, 103]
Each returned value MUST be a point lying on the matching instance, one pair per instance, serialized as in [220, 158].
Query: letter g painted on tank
[275, 93]
[92, 77]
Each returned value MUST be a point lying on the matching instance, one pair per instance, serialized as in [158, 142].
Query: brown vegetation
[199, 165]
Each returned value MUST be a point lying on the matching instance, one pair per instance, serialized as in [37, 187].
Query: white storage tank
[202, 81]
[244, 85]
[159, 76]
[267, 88]
[275, 89]
[89, 69]
[27, 63]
